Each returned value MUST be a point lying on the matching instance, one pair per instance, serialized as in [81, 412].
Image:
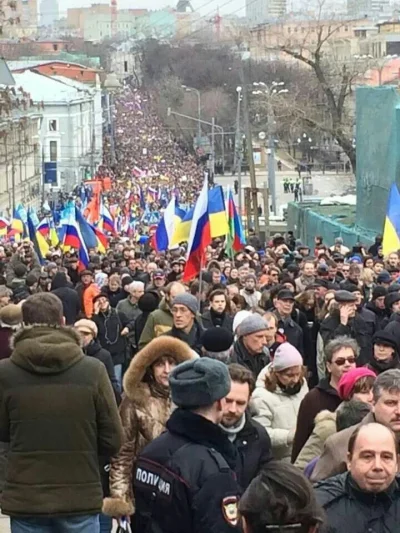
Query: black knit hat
[384, 337]
[149, 301]
[391, 298]
[379, 291]
[217, 339]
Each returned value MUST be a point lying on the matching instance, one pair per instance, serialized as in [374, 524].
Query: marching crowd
[279, 364]
[264, 395]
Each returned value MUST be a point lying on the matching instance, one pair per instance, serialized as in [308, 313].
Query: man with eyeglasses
[185, 324]
[340, 357]
[385, 410]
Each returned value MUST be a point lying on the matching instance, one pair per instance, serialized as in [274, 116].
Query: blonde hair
[368, 275]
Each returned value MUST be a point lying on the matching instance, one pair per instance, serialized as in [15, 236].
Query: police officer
[183, 481]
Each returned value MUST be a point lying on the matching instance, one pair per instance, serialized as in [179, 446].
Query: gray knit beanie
[188, 300]
[251, 324]
[199, 382]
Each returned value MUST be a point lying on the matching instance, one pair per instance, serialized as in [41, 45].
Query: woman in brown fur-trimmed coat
[144, 411]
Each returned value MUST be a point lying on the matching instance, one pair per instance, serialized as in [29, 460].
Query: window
[53, 125]
[125, 66]
[55, 47]
[53, 150]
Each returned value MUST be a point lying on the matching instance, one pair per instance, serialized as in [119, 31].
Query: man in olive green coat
[58, 413]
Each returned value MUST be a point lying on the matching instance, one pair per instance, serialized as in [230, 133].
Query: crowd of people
[263, 395]
[282, 354]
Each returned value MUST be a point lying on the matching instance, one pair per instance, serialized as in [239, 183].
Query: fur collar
[135, 389]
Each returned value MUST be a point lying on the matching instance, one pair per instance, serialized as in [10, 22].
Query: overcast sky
[206, 7]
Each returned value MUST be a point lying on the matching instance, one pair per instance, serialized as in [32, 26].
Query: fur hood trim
[325, 416]
[117, 507]
[162, 346]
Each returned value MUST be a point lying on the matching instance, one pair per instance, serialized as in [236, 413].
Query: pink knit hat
[286, 356]
[348, 381]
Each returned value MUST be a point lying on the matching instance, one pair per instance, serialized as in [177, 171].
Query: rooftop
[48, 89]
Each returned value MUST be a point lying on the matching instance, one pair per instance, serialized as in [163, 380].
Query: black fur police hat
[199, 382]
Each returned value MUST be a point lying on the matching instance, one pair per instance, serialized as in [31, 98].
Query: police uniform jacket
[184, 481]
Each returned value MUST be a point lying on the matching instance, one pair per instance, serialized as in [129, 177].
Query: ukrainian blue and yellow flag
[391, 232]
[182, 228]
[217, 212]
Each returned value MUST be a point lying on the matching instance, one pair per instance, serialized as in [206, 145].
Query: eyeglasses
[340, 361]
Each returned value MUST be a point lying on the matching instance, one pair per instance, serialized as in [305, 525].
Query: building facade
[67, 131]
[368, 8]
[49, 12]
[261, 11]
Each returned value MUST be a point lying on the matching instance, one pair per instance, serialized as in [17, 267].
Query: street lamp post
[111, 84]
[270, 92]
[193, 90]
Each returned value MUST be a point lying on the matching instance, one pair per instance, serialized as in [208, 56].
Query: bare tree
[323, 103]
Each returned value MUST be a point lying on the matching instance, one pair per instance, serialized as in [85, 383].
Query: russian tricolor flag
[200, 236]
[108, 221]
[74, 239]
[44, 227]
[165, 229]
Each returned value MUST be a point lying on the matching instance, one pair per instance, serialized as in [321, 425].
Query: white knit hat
[238, 319]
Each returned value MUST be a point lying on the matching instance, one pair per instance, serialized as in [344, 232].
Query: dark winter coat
[393, 327]
[255, 363]
[322, 397]
[193, 339]
[292, 331]
[114, 296]
[94, 349]
[356, 328]
[109, 327]
[184, 481]
[58, 414]
[381, 315]
[144, 412]
[253, 447]
[211, 320]
[69, 298]
[351, 510]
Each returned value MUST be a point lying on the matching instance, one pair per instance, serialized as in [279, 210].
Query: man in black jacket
[87, 329]
[112, 327]
[250, 439]
[70, 300]
[184, 480]
[185, 325]
[217, 316]
[346, 322]
[367, 497]
[250, 348]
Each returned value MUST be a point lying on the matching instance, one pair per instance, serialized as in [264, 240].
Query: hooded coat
[158, 322]
[144, 412]
[68, 296]
[324, 427]
[58, 414]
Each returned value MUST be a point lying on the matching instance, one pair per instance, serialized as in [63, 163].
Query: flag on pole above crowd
[200, 236]
[165, 228]
[391, 232]
[235, 239]
[217, 212]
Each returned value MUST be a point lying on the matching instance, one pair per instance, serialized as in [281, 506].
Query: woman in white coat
[280, 387]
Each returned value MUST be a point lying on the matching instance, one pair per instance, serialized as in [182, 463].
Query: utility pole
[249, 142]
[237, 163]
[213, 148]
[271, 156]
